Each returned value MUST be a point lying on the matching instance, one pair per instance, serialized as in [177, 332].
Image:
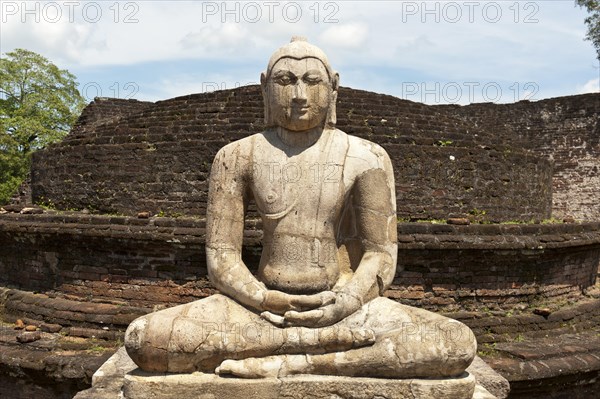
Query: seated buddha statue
[316, 304]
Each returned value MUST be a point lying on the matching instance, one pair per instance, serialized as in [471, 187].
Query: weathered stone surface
[32, 211]
[482, 393]
[459, 221]
[110, 378]
[51, 328]
[114, 368]
[29, 336]
[551, 365]
[94, 333]
[139, 385]
[53, 366]
[13, 208]
[40, 308]
[542, 311]
[318, 309]
[493, 382]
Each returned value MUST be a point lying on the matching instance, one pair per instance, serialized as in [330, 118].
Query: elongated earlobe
[263, 81]
[335, 81]
[264, 88]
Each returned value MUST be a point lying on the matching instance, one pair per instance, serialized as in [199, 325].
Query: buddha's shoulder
[366, 152]
[239, 148]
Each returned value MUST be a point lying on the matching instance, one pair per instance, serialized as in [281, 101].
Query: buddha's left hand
[345, 304]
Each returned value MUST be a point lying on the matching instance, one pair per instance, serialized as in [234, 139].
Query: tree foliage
[13, 167]
[38, 105]
[593, 22]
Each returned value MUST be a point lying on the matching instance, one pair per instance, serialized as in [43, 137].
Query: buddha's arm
[374, 201]
[227, 201]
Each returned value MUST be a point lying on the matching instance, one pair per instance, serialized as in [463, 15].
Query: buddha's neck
[302, 139]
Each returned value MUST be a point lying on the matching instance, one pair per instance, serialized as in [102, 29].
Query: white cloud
[62, 41]
[184, 84]
[591, 86]
[226, 36]
[348, 36]
[391, 38]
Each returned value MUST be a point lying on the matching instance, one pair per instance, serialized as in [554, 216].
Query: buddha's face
[299, 93]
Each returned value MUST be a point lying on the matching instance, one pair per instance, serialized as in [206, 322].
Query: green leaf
[39, 103]
[593, 22]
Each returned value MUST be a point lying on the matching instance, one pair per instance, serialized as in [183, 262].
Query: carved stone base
[140, 385]
[119, 378]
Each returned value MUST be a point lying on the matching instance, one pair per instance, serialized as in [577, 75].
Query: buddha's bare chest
[281, 185]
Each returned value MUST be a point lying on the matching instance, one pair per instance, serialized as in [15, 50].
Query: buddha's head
[299, 88]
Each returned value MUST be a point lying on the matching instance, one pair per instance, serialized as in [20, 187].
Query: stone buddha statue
[316, 305]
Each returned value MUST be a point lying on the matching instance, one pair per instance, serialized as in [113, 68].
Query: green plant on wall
[477, 212]
[443, 143]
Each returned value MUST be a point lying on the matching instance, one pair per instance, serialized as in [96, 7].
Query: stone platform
[119, 378]
[139, 385]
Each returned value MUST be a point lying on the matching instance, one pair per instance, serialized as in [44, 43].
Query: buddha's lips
[300, 109]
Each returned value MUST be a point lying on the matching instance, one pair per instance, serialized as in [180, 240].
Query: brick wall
[162, 260]
[127, 156]
[156, 157]
[565, 129]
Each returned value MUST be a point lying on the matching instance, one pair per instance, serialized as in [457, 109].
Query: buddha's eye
[312, 79]
[284, 79]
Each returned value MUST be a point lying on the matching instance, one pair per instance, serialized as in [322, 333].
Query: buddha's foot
[265, 367]
[362, 337]
[300, 340]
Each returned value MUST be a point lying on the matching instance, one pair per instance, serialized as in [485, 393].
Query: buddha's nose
[300, 91]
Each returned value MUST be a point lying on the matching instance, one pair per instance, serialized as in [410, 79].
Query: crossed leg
[200, 335]
[383, 339]
[409, 343]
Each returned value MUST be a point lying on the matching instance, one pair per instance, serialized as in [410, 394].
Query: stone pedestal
[141, 385]
[119, 378]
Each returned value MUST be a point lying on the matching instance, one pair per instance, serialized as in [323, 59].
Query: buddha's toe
[234, 367]
[251, 367]
[363, 337]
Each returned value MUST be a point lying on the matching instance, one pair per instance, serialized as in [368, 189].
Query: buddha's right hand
[279, 302]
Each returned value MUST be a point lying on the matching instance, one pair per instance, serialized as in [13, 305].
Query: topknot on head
[299, 39]
[299, 48]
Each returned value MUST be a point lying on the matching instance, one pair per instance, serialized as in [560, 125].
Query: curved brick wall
[125, 157]
[566, 129]
[162, 260]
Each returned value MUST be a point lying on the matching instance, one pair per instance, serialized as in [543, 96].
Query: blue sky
[427, 51]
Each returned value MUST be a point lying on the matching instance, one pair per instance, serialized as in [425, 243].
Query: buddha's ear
[263, 82]
[263, 86]
[335, 81]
